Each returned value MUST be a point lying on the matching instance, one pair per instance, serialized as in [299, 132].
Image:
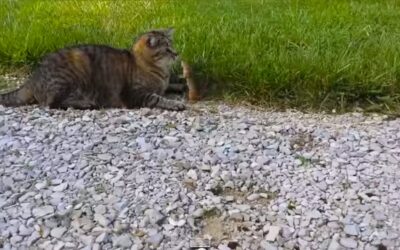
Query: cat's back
[88, 52]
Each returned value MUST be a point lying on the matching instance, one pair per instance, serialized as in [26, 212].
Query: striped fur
[99, 76]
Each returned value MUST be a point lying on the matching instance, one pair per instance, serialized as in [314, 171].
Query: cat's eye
[153, 42]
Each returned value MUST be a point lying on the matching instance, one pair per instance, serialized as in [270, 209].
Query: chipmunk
[186, 85]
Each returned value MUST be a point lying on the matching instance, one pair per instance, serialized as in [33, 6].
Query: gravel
[213, 176]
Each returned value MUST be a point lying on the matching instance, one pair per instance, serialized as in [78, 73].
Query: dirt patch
[221, 227]
[302, 141]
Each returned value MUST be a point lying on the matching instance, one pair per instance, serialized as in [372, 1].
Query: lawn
[305, 54]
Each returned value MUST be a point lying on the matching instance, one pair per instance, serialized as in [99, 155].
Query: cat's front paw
[176, 106]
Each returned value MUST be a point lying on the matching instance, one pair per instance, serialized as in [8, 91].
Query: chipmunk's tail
[18, 97]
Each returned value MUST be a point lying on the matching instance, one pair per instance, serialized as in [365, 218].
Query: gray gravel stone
[351, 230]
[40, 185]
[272, 233]
[105, 157]
[14, 240]
[87, 240]
[253, 197]
[155, 239]
[192, 174]
[379, 215]
[61, 187]
[101, 219]
[198, 213]
[33, 238]
[59, 245]
[154, 216]
[223, 247]
[58, 232]
[101, 238]
[42, 211]
[348, 242]
[24, 231]
[158, 179]
[123, 240]
[8, 182]
[265, 245]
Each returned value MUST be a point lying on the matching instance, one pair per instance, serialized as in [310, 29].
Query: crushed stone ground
[220, 177]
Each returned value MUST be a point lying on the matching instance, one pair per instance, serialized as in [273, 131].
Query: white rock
[42, 211]
[8, 182]
[155, 217]
[14, 240]
[155, 239]
[198, 213]
[101, 238]
[26, 196]
[243, 207]
[33, 238]
[104, 157]
[40, 185]
[223, 247]
[87, 240]
[123, 240]
[59, 245]
[315, 214]
[192, 174]
[70, 245]
[100, 209]
[78, 206]
[379, 215]
[113, 139]
[229, 198]
[334, 245]
[101, 219]
[253, 197]
[205, 168]
[265, 245]
[96, 246]
[61, 187]
[348, 242]
[273, 233]
[24, 231]
[46, 245]
[66, 157]
[58, 232]
[351, 230]
[177, 223]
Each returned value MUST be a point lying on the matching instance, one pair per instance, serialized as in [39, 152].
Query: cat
[100, 76]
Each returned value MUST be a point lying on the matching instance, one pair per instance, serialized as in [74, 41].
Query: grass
[305, 54]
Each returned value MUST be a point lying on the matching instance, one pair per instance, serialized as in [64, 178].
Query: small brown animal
[185, 84]
[193, 88]
[99, 76]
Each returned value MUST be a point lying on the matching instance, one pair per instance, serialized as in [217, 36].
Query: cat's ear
[169, 32]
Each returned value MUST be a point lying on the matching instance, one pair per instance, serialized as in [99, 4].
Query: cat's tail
[18, 97]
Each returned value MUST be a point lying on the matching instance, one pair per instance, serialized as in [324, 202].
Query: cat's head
[156, 47]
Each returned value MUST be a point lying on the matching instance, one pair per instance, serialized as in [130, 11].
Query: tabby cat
[99, 76]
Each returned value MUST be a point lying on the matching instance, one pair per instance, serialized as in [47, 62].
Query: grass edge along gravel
[303, 54]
